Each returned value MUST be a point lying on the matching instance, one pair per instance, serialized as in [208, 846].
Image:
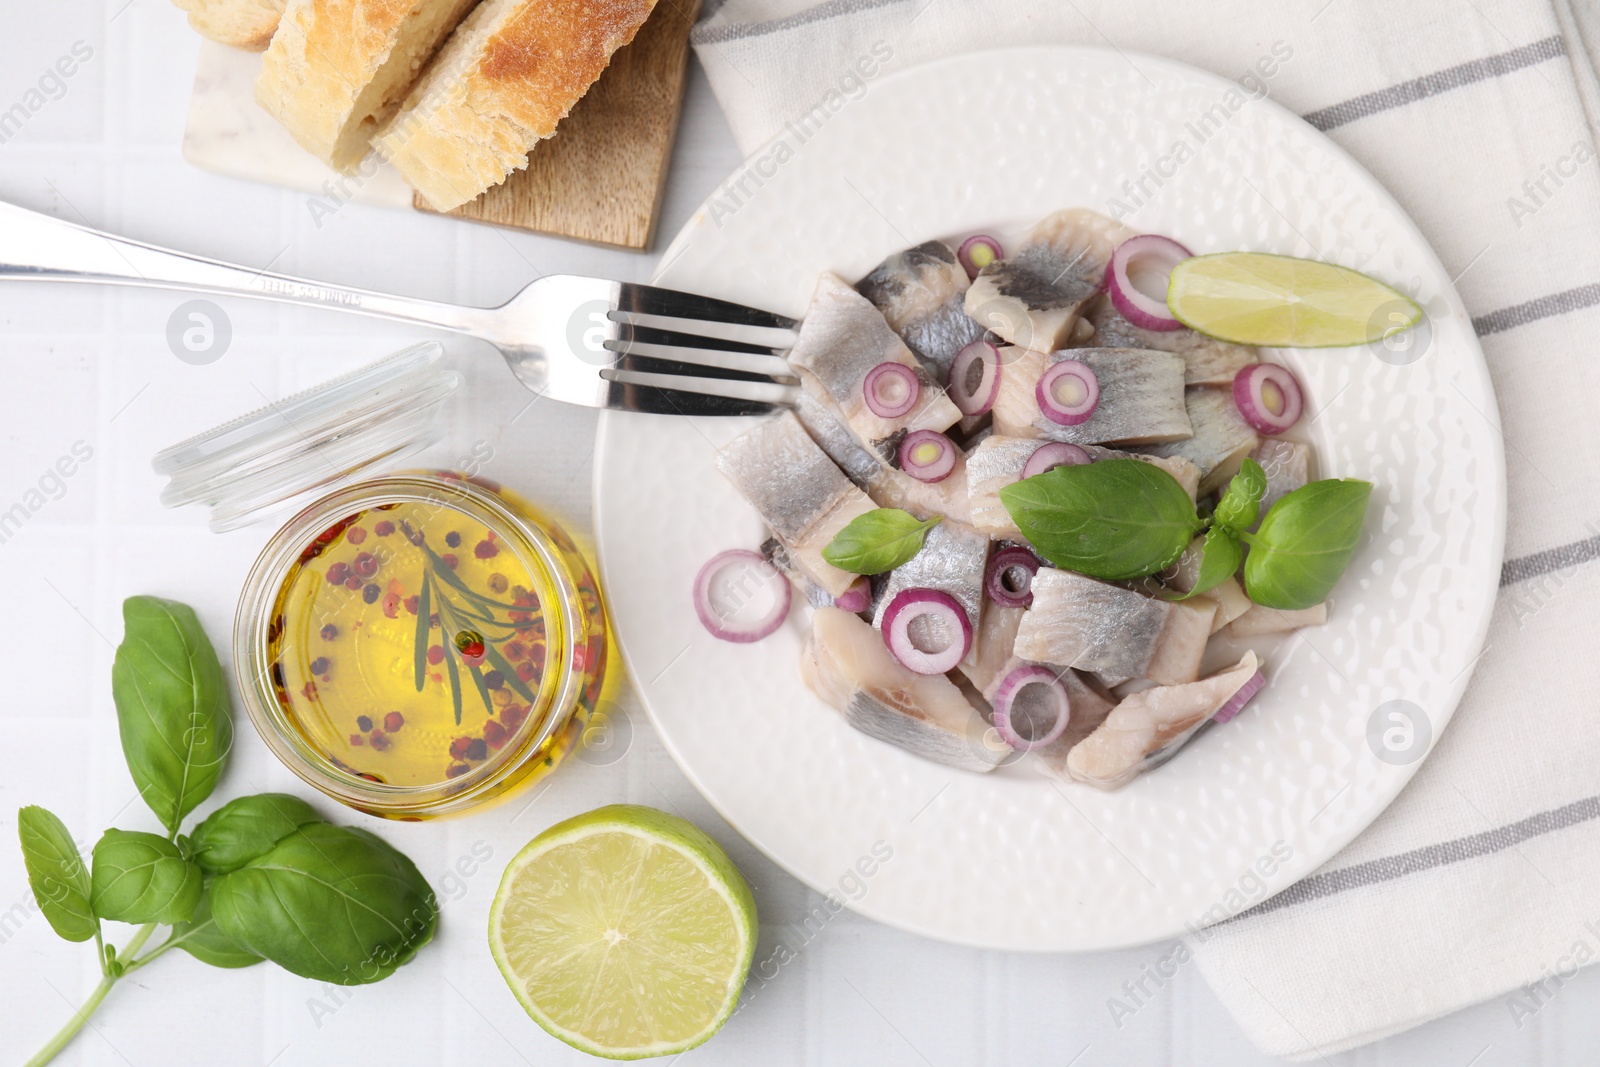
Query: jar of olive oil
[412, 644]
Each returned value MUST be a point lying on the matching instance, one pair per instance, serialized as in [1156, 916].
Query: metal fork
[584, 341]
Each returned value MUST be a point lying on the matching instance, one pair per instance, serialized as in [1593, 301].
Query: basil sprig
[1120, 519]
[262, 878]
[878, 541]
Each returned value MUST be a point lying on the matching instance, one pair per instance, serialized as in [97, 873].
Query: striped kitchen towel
[1483, 879]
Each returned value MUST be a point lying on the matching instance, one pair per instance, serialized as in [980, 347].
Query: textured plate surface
[1014, 860]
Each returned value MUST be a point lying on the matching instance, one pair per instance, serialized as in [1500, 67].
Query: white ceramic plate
[1014, 860]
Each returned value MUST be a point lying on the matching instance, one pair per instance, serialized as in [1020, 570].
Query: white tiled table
[90, 365]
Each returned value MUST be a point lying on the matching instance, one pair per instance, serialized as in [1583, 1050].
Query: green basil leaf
[142, 878]
[203, 939]
[243, 829]
[1114, 519]
[172, 706]
[332, 903]
[878, 541]
[1220, 557]
[56, 874]
[1241, 504]
[1305, 543]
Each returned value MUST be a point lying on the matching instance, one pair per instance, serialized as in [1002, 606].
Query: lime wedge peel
[625, 932]
[1256, 298]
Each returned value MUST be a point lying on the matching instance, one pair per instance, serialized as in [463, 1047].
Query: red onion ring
[1001, 566]
[1005, 699]
[977, 252]
[910, 605]
[857, 598]
[975, 398]
[936, 467]
[1049, 456]
[1268, 397]
[1241, 698]
[1077, 376]
[716, 622]
[1155, 256]
[891, 390]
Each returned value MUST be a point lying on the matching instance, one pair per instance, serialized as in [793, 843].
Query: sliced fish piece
[1183, 643]
[1141, 399]
[1033, 298]
[991, 647]
[921, 293]
[842, 338]
[996, 463]
[1262, 620]
[1081, 622]
[778, 556]
[1149, 726]
[1089, 703]
[1185, 473]
[1015, 408]
[1229, 596]
[952, 559]
[802, 497]
[1221, 437]
[846, 664]
[1231, 602]
[1287, 465]
[1207, 361]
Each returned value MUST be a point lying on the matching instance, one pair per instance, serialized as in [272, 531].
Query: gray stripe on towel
[1559, 558]
[1389, 868]
[832, 9]
[1584, 296]
[1439, 81]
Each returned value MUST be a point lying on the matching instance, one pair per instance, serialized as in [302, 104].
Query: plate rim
[1477, 364]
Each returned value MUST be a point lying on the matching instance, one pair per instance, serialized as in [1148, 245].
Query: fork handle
[39, 247]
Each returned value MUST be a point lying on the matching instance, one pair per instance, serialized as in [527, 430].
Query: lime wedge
[625, 932]
[1252, 298]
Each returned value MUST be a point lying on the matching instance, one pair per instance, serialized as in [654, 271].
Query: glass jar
[411, 644]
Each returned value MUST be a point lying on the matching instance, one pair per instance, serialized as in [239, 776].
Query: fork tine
[632, 341]
[762, 392]
[773, 338]
[651, 401]
[650, 300]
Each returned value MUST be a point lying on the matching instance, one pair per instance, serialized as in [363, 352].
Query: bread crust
[508, 76]
[247, 24]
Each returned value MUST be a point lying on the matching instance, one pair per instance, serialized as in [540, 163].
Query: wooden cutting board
[600, 177]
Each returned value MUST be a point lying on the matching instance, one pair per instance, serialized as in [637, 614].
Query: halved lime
[625, 932]
[1253, 298]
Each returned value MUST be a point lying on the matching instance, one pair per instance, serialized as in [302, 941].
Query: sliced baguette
[500, 85]
[247, 24]
[337, 68]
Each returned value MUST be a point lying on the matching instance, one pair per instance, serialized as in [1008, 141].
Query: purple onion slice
[927, 630]
[1137, 276]
[977, 252]
[728, 588]
[1068, 392]
[1048, 457]
[927, 455]
[1018, 717]
[1241, 698]
[1268, 397]
[1009, 577]
[857, 598]
[891, 390]
[975, 378]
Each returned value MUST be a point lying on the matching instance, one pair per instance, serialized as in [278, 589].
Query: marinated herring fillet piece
[1261, 620]
[920, 292]
[996, 463]
[1141, 398]
[1090, 706]
[1148, 727]
[778, 556]
[1207, 361]
[802, 497]
[499, 86]
[1081, 622]
[841, 339]
[1221, 441]
[887, 485]
[336, 69]
[1287, 465]
[1033, 299]
[952, 560]
[992, 642]
[848, 667]
[247, 24]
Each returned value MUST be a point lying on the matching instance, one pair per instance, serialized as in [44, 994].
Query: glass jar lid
[280, 456]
